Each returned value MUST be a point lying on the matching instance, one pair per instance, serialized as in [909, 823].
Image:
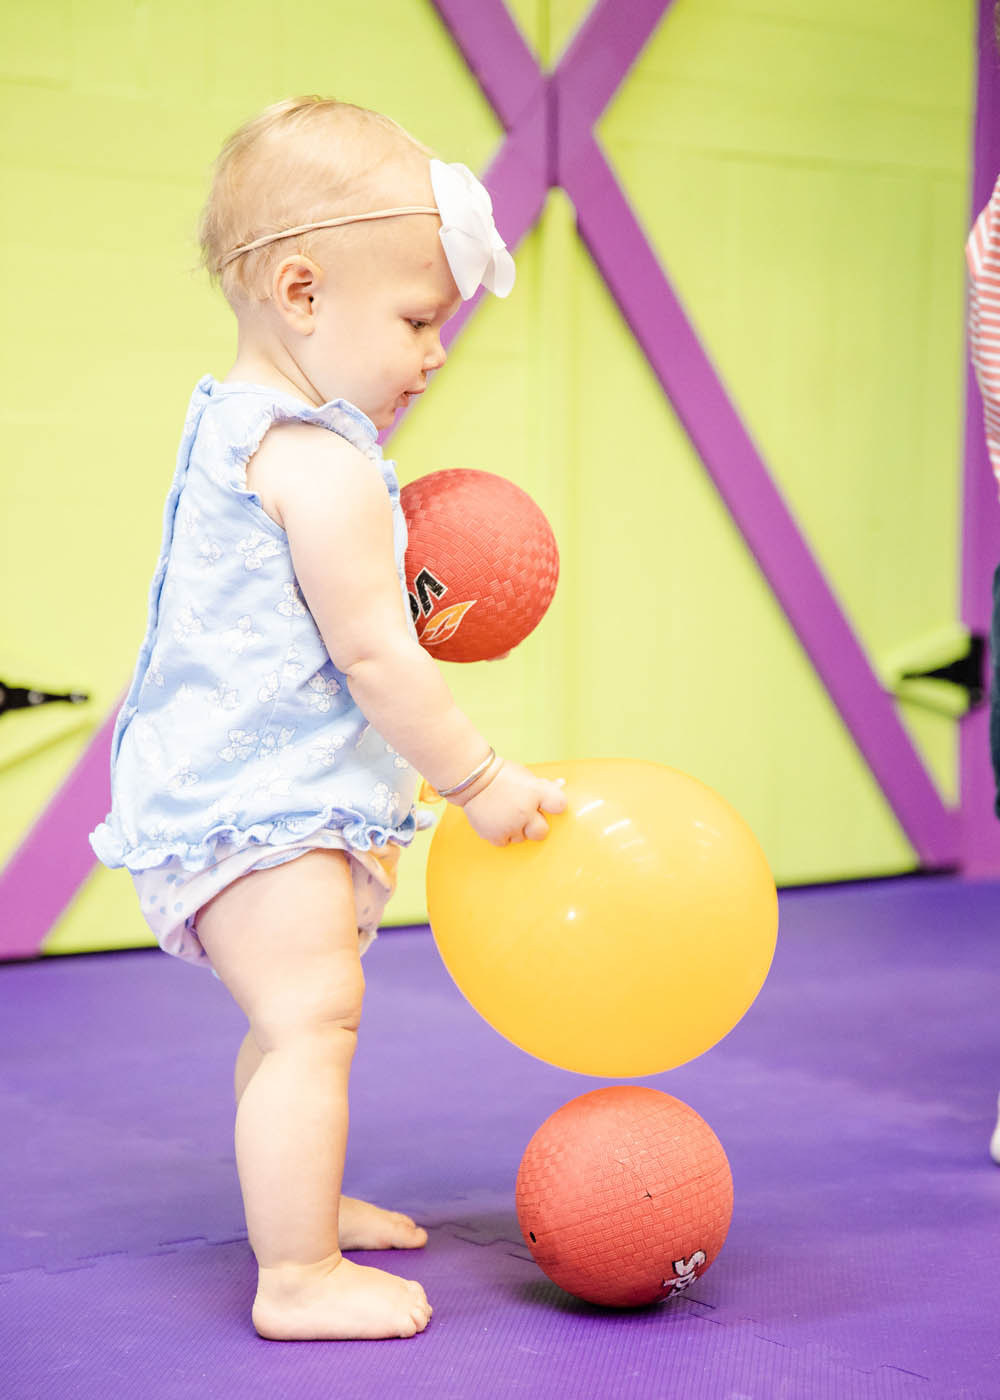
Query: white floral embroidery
[185, 705]
[256, 548]
[293, 666]
[240, 636]
[241, 745]
[187, 624]
[188, 518]
[325, 752]
[273, 743]
[323, 692]
[269, 787]
[291, 604]
[223, 697]
[144, 736]
[208, 555]
[159, 830]
[398, 761]
[383, 799]
[269, 689]
[154, 675]
[182, 777]
[212, 441]
[223, 811]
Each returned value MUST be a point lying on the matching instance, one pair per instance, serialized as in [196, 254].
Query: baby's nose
[436, 355]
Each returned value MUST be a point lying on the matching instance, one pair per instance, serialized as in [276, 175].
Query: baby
[266, 758]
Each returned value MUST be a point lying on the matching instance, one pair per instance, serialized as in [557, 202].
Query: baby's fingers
[536, 828]
[554, 797]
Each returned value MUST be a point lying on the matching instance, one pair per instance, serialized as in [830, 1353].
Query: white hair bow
[475, 251]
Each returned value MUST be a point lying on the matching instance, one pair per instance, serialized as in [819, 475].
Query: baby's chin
[385, 416]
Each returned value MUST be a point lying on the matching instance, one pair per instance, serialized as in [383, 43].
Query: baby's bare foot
[363, 1226]
[337, 1300]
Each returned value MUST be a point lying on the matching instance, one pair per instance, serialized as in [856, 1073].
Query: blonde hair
[298, 161]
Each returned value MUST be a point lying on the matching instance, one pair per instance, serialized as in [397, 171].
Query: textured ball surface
[481, 563]
[624, 1196]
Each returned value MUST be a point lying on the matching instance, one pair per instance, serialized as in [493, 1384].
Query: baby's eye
[419, 325]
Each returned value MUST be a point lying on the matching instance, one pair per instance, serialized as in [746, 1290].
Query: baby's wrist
[478, 785]
[472, 777]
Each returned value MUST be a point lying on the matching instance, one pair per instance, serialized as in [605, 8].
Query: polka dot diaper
[170, 896]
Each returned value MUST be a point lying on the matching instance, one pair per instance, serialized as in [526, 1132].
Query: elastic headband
[327, 223]
[475, 251]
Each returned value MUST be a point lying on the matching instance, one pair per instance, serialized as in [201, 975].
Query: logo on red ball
[685, 1271]
[443, 625]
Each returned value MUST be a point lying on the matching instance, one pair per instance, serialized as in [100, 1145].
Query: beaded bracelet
[467, 782]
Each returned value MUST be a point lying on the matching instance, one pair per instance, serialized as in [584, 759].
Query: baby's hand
[509, 808]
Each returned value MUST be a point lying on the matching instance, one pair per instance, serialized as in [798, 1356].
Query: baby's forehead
[418, 264]
[402, 177]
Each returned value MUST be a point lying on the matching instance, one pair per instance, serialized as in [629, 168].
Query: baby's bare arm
[336, 512]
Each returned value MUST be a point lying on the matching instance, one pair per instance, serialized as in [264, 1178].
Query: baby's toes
[364, 1226]
[406, 1233]
[420, 1311]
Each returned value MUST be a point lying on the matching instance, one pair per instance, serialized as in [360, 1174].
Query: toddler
[265, 761]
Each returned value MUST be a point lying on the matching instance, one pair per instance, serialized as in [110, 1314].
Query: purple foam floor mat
[855, 1102]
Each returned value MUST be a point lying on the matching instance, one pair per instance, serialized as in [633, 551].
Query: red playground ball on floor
[624, 1196]
[481, 563]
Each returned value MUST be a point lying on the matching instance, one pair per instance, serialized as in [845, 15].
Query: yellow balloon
[629, 941]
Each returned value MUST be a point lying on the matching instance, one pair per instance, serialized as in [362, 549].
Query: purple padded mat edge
[855, 1101]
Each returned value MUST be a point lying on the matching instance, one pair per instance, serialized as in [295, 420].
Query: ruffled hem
[358, 833]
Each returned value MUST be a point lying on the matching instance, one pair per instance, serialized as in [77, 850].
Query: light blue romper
[238, 745]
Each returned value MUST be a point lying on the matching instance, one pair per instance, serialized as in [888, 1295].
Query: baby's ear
[294, 285]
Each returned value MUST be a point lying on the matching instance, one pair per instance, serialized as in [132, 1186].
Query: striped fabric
[982, 253]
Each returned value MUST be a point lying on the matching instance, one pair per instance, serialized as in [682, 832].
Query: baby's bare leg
[360, 1224]
[285, 944]
[248, 1058]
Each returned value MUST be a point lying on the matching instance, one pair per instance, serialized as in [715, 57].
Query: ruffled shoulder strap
[235, 417]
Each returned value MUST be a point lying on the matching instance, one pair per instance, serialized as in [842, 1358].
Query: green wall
[801, 169]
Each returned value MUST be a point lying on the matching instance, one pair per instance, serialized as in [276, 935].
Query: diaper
[170, 896]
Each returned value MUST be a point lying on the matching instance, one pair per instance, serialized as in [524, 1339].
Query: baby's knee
[326, 1007]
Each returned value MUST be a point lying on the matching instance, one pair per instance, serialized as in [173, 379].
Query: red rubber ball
[624, 1196]
[481, 563]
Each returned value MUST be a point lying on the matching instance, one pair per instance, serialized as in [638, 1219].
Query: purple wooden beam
[517, 182]
[596, 64]
[55, 858]
[632, 272]
[593, 67]
[495, 51]
[981, 512]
